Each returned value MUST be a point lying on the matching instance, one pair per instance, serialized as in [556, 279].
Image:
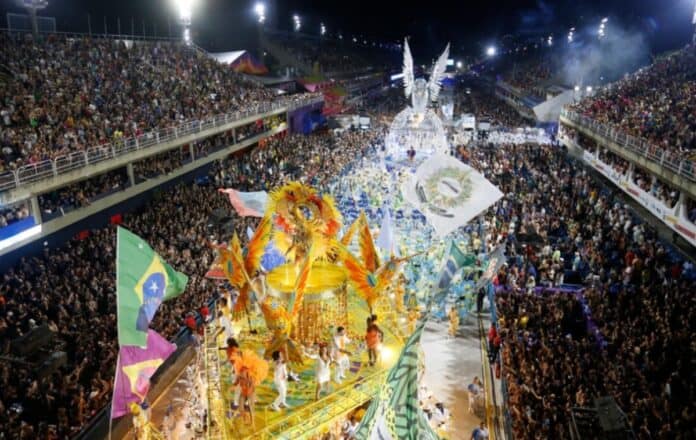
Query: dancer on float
[340, 354]
[322, 369]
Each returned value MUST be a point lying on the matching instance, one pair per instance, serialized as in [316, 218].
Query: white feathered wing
[434, 84]
[408, 69]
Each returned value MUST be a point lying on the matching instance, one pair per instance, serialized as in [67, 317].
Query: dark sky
[469, 25]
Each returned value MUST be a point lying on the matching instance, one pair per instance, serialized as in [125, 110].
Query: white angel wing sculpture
[408, 69]
[434, 84]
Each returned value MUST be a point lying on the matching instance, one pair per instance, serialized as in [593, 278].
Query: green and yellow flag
[143, 281]
[395, 413]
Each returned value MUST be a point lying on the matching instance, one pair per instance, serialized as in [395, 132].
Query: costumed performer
[253, 370]
[280, 379]
[225, 320]
[233, 354]
[373, 339]
[453, 321]
[322, 369]
[340, 354]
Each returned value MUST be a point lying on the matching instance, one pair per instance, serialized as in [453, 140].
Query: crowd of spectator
[657, 103]
[627, 335]
[73, 93]
[83, 193]
[11, 214]
[662, 191]
[529, 76]
[499, 113]
[71, 288]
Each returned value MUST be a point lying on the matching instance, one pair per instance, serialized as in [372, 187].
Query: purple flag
[135, 368]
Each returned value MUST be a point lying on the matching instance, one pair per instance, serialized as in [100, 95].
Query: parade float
[328, 280]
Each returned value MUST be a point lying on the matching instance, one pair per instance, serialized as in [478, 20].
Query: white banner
[449, 193]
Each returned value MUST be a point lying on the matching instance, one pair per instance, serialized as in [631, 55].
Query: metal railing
[659, 156]
[62, 164]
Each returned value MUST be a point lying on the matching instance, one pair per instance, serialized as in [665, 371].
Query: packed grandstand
[595, 299]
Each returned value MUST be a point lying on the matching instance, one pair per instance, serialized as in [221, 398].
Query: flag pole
[113, 393]
[246, 310]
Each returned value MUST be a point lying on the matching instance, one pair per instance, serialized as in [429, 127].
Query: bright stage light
[588, 89]
[386, 355]
[459, 64]
[297, 22]
[491, 51]
[185, 8]
[322, 29]
[577, 88]
[260, 10]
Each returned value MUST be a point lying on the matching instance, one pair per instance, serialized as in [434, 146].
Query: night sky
[230, 24]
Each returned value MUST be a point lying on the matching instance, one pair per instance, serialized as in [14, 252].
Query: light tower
[185, 7]
[693, 21]
[32, 6]
[260, 11]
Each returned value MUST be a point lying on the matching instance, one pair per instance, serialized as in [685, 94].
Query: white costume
[280, 379]
[322, 370]
[342, 361]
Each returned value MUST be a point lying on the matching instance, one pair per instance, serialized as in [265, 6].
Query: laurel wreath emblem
[462, 179]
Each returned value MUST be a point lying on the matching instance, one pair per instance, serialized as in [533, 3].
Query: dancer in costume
[280, 379]
[453, 321]
[340, 354]
[234, 357]
[252, 370]
[245, 382]
[373, 339]
[225, 319]
[322, 370]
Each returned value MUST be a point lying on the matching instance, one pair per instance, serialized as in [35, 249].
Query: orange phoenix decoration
[252, 262]
[367, 245]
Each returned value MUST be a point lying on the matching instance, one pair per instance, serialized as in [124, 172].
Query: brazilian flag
[143, 281]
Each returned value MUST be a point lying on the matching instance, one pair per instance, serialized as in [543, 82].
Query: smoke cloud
[621, 51]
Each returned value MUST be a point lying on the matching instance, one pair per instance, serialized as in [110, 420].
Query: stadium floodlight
[491, 51]
[260, 11]
[185, 8]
